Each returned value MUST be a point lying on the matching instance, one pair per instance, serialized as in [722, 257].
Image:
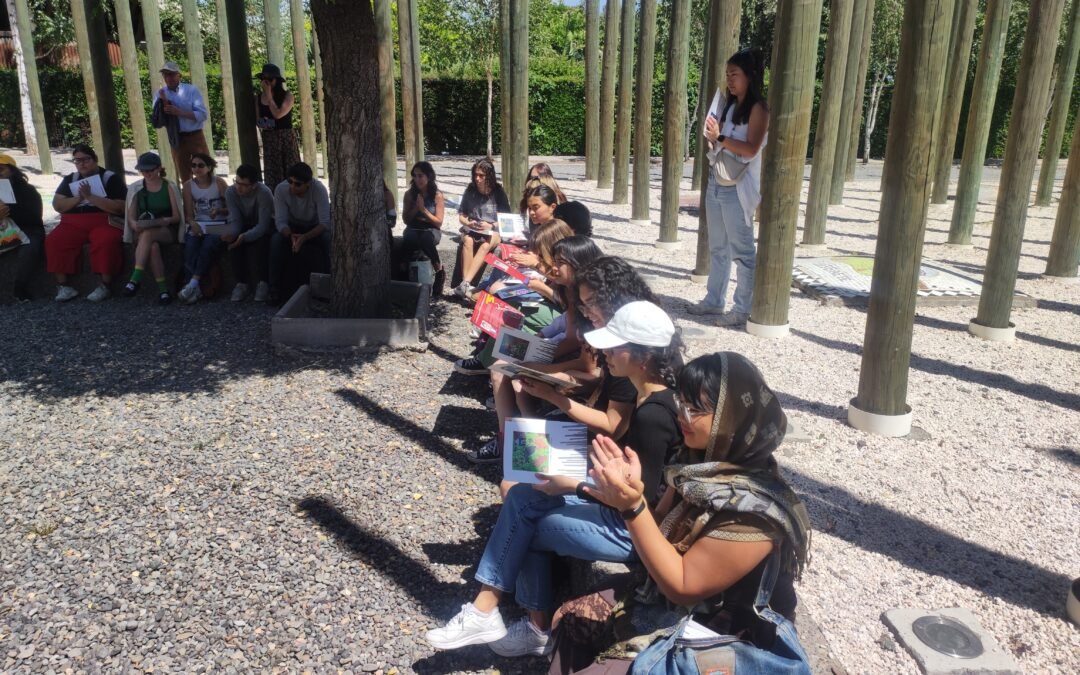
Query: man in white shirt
[184, 102]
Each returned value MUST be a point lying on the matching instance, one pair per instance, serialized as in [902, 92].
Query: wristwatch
[630, 514]
[720, 138]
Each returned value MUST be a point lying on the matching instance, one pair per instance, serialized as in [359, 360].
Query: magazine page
[507, 267]
[511, 226]
[516, 346]
[490, 313]
[216, 227]
[97, 188]
[7, 194]
[516, 370]
[532, 446]
[518, 293]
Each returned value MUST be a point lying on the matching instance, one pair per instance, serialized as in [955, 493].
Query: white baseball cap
[640, 323]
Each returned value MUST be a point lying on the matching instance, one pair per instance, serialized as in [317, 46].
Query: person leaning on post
[179, 107]
[26, 214]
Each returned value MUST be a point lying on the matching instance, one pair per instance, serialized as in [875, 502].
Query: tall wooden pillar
[155, 52]
[607, 94]
[955, 80]
[196, 62]
[592, 89]
[881, 404]
[1064, 255]
[621, 186]
[860, 92]
[504, 96]
[275, 43]
[224, 54]
[37, 135]
[418, 82]
[1021, 153]
[829, 112]
[320, 98]
[384, 30]
[82, 39]
[674, 124]
[980, 113]
[243, 87]
[791, 97]
[848, 103]
[102, 102]
[408, 86]
[643, 112]
[303, 83]
[129, 54]
[519, 87]
[1055, 132]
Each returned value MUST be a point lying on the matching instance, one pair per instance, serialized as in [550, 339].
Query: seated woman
[726, 522]
[204, 201]
[301, 244]
[577, 216]
[546, 519]
[26, 213]
[423, 209]
[153, 218]
[541, 173]
[251, 216]
[478, 213]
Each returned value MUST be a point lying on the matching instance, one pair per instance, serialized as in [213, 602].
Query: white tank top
[205, 199]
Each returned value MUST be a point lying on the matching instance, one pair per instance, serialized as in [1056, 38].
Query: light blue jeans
[731, 239]
[532, 527]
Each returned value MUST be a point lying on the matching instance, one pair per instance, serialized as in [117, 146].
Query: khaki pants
[190, 143]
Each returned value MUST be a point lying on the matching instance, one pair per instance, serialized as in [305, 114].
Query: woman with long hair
[737, 131]
[422, 209]
[478, 214]
[204, 200]
[26, 213]
[274, 118]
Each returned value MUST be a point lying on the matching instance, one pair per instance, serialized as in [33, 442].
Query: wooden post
[129, 54]
[851, 76]
[418, 82]
[519, 86]
[408, 93]
[102, 103]
[196, 62]
[860, 92]
[227, 88]
[320, 96]
[791, 97]
[155, 52]
[82, 38]
[980, 112]
[275, 43]
[674, 124]
[592, 89]
[303, 83]
[1066, 71]
[920, 72]
[828, 120]
[607, 94]
[723, 37]
[33, 114]
[704, 97]
[643, 112]
[385, 32]
[1021, 153]
[505, 98]
[955, 80]
[1064, 255]
[243, 86]
[621, 186]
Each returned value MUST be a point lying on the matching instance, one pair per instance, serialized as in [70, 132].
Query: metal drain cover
[948, 636]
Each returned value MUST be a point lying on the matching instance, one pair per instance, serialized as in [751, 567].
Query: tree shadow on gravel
[926, 548]
[1068, 456]
[824, 410]
[956, 326]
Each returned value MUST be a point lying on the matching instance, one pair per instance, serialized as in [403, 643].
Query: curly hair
[614, 283]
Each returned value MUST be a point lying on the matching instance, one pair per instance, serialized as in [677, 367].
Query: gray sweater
[257, 206]
[311, 209]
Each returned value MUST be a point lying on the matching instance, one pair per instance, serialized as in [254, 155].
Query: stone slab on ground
[932, 662]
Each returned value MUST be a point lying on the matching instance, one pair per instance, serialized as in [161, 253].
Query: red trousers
[63, 246]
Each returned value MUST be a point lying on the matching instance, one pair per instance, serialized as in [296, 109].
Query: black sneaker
[489, 453]
[470, 366]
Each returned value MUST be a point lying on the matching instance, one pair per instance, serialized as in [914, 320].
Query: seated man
[251, 212]
[301, 244]
[26, 214]
[84, 217]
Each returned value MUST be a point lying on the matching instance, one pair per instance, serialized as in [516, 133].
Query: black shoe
[438, 284]
[470, 366]
[489, 453]
[21, 295]
[164, 298]
[131, 288]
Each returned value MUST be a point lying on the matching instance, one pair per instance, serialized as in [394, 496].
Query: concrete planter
[296, 327]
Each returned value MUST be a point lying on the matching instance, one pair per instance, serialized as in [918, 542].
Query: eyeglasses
[688, 413]
[198, 165]
[82, 160]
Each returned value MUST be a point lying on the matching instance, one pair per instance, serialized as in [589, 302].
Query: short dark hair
[301, 172]
[207, 159]
[84, 149]
[248, 172]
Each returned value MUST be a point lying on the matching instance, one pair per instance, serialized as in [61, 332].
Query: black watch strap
[630, 514]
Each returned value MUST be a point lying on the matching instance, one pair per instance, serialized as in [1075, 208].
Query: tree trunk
[607, 94]
[320, 98]
[643, 110]
[674, 121]
[620, 191]
[519, 87]
[955, 80]
[360, 256]
[829, 112]
[1064, 255]
[851, 76]
[871, 113]
[33, 114]
[980, 113]
[196, 62]
[408, 82]
[275, 43]
[129, 53]
[592, 89]
[227, 87]
[303, 83]
[155, 52]
[1060, 111]
[388, 114]
[1021, 153]
[924, 44]
[80, 20]
[97, 74]
[791, 98]
[243, 87]
[860, 91]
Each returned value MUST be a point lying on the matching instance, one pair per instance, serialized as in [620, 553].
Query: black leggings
[423, 240]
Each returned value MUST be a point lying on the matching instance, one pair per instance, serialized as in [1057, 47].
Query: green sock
[136, 275]
[161, 285]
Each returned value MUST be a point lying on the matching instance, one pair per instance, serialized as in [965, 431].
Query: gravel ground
[178, 499]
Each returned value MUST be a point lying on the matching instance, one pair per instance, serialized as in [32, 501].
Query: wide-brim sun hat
[270, 70]
[639, 323]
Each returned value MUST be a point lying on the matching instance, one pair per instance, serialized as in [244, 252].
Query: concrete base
[883, 425]
[699, 278]
[668, 245]
[294, 327]
[642, 223]
[993, 661]
[763, 331]
[992, 334]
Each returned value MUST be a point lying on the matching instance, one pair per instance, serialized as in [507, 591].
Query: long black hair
[662, 363]
[429, 171]
[750, 62]
[578, 252]
[487, 167]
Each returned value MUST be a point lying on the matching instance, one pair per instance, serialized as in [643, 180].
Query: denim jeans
[731, 239]
[288, 270]
[200, 253]
[532, 527]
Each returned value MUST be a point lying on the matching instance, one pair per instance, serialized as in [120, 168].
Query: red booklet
[490, 314]
[507, 250]
[507, 267]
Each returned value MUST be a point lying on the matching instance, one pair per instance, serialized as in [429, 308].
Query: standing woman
[204, 199]
[423, 209]
[737, 130]
[154, 209]
[480, 206]
[274, 119]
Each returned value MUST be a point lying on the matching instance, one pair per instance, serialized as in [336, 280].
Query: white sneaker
[189, 294]
[100, 293]
[701, 308]
[469, 627]
[523, 639]
[262, 292]
[65, 293]
[239, 292]
[474, 333]
[463, 290]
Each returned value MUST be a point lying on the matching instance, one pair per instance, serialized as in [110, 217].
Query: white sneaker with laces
[523, 639]
[239, 292]
[100, 293]
[463, 290]
[65, 293]
[468, 627]
[262, 291]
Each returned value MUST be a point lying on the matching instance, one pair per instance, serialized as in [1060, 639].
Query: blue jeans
[200, 253]
[532, 527]
[731, 239]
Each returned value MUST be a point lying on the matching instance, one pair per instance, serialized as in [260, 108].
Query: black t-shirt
[115, 188]
[655, 436]
[26, 211]
[484, 207]
[617, 389]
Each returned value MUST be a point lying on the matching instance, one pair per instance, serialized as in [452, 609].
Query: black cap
[270, 70]
[148, 161]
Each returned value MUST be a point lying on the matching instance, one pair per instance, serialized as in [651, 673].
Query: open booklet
[97, 188]
[215, 227]
[516, 346]
[516, 370]
[511, 227]
[534, 446]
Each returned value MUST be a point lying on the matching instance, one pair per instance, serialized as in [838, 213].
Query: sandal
[164, 298]
[131, 288]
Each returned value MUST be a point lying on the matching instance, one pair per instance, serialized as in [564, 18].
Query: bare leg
[487, 599]
[541, 620]
[157, 265]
